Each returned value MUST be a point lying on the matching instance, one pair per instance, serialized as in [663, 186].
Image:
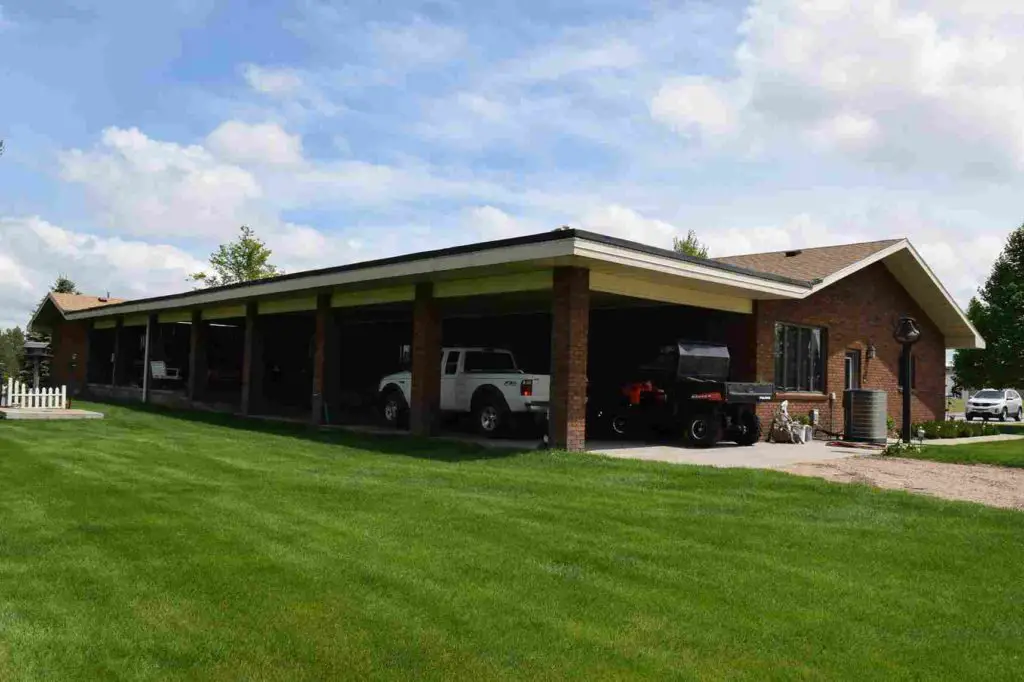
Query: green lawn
[1008, 453]
[158, 546]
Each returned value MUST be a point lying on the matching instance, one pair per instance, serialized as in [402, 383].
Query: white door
[449, 380]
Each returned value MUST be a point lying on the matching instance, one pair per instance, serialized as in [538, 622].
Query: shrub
[900, 448]
[943, 429]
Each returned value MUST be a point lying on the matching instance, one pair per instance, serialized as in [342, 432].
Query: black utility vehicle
[686, 390]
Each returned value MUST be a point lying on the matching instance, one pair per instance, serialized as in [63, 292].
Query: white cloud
[493, 223]
[38, 251]
[579, 56]
[418, 43]
[801, 231]
[272, 81]
[144, 186]
[695, 104]
[927, 85]
[624, 222]
[255, 143]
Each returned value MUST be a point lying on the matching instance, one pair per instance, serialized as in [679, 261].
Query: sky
[141, 135]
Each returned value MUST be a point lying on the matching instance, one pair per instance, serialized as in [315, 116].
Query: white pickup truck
[484, 382]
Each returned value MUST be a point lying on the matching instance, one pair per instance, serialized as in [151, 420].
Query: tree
[691, 246]
[997, 313]
[63, 285]
[12, 349]
[243, 260]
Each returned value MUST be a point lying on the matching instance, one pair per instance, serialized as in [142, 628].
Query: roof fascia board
[499, 255]
[39, 309]
[643, 260]
[979, 342]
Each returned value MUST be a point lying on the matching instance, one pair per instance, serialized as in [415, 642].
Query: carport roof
[755, 277]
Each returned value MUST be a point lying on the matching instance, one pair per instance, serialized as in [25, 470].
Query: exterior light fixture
[872, 351]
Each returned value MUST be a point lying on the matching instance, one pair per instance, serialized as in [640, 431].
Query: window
[913, 372]
[988, 395]
[489, 361]
[799, 358]
[451, 363]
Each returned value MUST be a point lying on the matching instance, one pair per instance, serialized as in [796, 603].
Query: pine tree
[998, 314]
[12, 348]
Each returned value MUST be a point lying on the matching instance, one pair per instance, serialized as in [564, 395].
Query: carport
[314, 345]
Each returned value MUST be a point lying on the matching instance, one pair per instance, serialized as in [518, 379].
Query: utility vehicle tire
[393, 408]
[1020, 414]
[751, 429]
[1003, 415]
[702, 430]
[491, 416]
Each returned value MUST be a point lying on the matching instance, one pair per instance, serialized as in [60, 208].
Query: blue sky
[140, 135]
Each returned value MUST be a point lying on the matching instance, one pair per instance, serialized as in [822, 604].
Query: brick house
[584, 306]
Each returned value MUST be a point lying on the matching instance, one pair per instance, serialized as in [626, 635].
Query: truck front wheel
[702, 430]
[394, 409]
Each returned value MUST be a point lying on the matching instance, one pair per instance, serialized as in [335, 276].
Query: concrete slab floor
[17, 413]
[728, 455]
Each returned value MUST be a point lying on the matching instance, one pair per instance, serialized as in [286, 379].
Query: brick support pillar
[198, 367]
[252, 361]
[332, 366]
[147, 356]
[117, 373]
[570, 324]
[426, 362]
[320, 358]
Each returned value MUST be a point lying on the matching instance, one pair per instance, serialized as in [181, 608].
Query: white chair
[159, 370]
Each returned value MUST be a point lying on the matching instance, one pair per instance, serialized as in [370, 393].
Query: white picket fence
[20, 395]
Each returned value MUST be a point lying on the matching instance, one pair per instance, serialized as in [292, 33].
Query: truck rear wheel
[751, 424]
[490, 417]
[702, 430]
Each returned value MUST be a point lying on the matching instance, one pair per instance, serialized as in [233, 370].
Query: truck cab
[483, 382]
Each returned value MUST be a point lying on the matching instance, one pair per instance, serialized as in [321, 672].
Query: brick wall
[570, 328]
[855, 312]
[68, 344]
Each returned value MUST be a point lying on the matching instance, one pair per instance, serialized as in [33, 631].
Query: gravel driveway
[994, 486]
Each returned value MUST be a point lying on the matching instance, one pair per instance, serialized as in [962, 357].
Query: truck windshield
[488, 361]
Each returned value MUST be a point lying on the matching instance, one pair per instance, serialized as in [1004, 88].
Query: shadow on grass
[439, 449]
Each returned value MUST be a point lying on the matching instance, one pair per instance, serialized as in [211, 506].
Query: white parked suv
[991, 403]
[484, 382]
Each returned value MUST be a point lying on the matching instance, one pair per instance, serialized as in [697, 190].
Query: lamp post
[907, 333]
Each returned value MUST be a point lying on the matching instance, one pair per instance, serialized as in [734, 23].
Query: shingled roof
[55, 306]
[809, 264]
[72, 302]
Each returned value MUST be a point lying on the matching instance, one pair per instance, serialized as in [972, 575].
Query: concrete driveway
[757, 456]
